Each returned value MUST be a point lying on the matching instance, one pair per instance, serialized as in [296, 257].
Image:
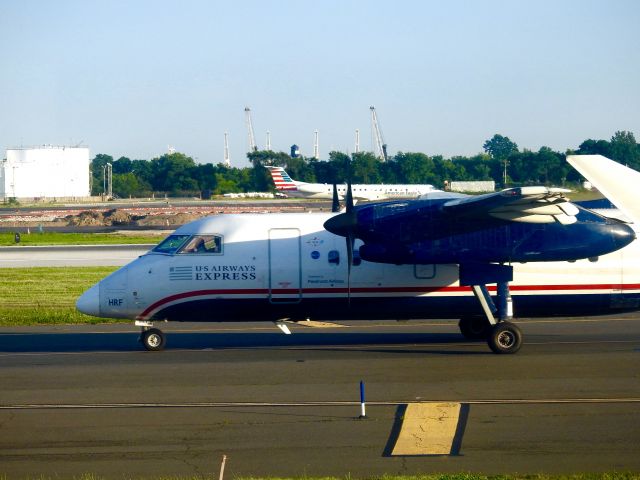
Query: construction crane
[376, 136]
[227, 158]
[252, 139]
[316, 145]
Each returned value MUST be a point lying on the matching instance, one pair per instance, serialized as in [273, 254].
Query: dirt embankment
[120, 218]
[166, 216]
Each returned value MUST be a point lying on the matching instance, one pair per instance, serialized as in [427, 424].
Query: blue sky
[132, 77]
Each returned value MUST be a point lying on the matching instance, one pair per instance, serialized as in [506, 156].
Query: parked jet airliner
[444, 255]
[368, 192]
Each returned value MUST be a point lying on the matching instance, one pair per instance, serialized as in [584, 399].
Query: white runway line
[497, 401]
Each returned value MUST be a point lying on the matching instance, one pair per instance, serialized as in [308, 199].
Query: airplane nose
[89, 302]
[622, 235]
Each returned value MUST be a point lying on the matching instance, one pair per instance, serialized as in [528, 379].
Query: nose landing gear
[151, 338]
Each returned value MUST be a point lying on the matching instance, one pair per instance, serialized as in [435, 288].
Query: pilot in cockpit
[203, 244]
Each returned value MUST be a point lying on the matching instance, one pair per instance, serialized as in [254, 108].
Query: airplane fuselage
[369, 192]
[366, 192]
[269, 267]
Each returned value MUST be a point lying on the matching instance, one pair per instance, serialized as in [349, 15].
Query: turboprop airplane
[368, 192]
[426, 258]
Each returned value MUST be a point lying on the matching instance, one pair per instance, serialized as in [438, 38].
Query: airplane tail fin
[615, 181]
[281, 179]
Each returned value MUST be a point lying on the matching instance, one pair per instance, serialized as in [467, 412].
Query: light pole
[110, 180]
[107, 179]
[504, 175]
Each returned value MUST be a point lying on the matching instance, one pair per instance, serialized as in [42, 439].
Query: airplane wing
[524, 204]
[615, 181]
[518, 224]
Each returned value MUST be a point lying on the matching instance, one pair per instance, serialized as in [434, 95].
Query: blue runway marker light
[362, 401]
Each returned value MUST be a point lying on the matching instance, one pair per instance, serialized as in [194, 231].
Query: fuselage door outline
[285, 273]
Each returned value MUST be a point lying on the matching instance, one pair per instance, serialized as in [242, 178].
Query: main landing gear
[501, 335]
[151, 338]
[505, 337]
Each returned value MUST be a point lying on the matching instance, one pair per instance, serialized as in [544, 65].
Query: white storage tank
[43, 172]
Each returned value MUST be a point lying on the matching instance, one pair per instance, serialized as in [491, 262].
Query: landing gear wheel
[474, 328]
[505, 337]
[153, 339]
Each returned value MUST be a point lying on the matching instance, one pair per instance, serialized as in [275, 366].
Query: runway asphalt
[71, 255]
[89, 399]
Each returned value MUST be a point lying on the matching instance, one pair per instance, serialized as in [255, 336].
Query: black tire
[505, 337]
[474, 328]
[153, 340]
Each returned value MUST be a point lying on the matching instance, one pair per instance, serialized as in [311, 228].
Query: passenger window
[203, 244]
[334, 257]
[356, 257]
[424, 271]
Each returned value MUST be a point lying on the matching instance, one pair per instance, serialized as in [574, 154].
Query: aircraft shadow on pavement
[128, 342]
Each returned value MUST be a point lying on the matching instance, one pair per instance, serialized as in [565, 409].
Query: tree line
[177, 174]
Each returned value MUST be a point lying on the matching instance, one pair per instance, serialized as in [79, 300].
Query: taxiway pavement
[71, 255]
[89, 399]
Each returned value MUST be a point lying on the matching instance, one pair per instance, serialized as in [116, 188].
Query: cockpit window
[171, 244]
[203, 244]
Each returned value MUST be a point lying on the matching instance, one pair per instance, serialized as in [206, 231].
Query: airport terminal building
[45, 172]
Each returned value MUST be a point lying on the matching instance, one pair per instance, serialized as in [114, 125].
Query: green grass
[583, 195]
[55, 238]
[46, 295]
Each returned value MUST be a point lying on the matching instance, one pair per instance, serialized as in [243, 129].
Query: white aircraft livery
[473, 258]
[293, 188]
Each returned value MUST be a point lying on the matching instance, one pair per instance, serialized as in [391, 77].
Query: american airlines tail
[282, 180]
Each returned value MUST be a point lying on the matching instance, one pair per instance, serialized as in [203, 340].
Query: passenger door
[285, 277]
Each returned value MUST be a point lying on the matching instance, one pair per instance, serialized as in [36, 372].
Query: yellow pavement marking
[428, 429]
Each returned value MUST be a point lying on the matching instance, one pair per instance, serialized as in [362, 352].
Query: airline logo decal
[213, 272]
[315, 242]
[282, 180]
[180, 273]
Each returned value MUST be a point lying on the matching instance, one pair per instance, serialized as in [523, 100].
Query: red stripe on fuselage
[201, 293]
[344, 290]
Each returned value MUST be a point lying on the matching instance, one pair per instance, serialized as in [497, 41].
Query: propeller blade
[350, 242]
[346, 223]
[349, 197]
[335, 204]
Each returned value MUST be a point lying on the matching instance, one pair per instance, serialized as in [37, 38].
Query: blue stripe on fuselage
[388, 308]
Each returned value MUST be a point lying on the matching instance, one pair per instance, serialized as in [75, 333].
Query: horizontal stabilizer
[615, 181]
